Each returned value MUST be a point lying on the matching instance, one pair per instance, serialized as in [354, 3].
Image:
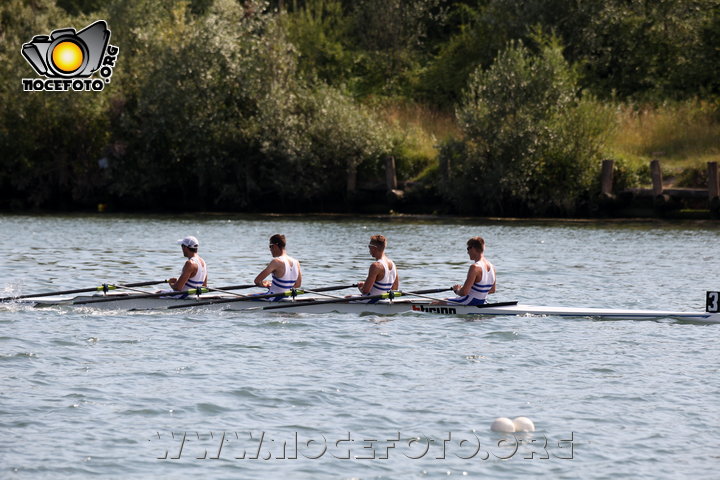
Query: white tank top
[385, 284]
[480, 290]
[198, 279]
[287, 281]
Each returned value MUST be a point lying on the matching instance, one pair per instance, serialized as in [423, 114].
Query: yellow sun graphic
[67, 56]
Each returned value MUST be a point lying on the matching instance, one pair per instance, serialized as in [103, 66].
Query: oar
[322, 294]
[391, 294]
[102, 288]
[260, 297]
[192, 291]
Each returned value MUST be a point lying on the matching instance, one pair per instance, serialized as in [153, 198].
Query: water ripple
[107, 394]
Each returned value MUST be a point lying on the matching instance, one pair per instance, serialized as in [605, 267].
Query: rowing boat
[310, 304]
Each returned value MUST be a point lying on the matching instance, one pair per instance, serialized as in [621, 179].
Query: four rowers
[381, 278]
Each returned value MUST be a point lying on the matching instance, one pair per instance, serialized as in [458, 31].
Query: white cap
[190, 242]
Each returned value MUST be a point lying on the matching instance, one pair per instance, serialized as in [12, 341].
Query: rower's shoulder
[376, 265]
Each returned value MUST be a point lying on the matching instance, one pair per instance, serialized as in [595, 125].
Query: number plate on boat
[712, 304]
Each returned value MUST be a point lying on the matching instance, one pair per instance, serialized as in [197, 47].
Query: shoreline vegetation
[477, 108]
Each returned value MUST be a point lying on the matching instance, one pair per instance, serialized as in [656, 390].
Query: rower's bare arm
[376, 271]
[469, 281]
[189, 269]
[260, 279]
[396, 283]
[492, 290]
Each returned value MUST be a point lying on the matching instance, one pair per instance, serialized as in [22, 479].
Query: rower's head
[277, 245]
[476, 245]
[377, 245]
[189, 245]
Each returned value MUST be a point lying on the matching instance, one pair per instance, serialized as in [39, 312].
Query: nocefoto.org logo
[67, 59]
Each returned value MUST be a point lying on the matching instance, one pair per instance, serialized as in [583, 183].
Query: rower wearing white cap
[285, 270]
[194, 272]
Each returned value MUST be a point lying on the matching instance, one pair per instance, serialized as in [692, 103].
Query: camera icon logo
[66, 53]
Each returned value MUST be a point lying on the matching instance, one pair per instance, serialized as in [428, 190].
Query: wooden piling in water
[713, 188]
[390, 174]
[660, 199]
[663, 199]
[606, 180]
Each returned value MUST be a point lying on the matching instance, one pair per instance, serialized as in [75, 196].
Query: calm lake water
[85, 393]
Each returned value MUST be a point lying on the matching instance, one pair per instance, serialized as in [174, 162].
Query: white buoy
[503, 424]
[523, 424]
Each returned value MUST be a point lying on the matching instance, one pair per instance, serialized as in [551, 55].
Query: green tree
[631, 49]
[531, 146]
[215, 114]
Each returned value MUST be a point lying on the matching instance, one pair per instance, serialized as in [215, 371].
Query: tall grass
[680, 135]
[421, 129]
[684, 136]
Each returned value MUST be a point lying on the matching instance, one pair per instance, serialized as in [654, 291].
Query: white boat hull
[305, 305]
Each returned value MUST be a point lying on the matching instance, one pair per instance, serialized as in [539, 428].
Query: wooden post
[713, 184]
[713, 187]
[390, 174]
[657, 178]
[661, 200]
[606, 179]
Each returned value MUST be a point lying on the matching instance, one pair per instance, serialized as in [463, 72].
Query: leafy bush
[531, 145]
[222, 118]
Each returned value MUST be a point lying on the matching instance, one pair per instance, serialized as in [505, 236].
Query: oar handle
[103, 287]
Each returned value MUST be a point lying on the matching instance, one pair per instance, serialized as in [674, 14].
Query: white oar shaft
[226, 291]
[123, 287]
[321, 293]
[422, 296]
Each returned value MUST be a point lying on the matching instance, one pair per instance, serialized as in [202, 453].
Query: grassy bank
[684, 136]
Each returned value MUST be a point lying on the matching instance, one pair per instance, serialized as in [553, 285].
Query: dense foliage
[531, 145]
[234, 104]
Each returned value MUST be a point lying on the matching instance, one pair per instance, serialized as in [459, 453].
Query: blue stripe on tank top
[482, 290]
[283, 283]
